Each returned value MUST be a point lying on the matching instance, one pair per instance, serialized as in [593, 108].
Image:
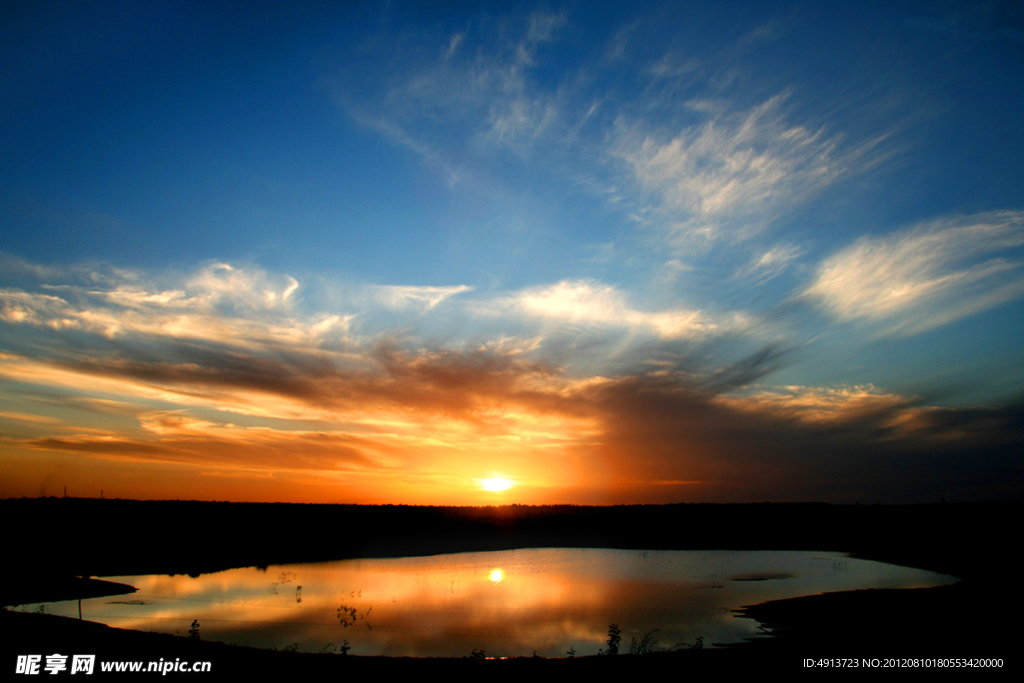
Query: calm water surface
[508, 603]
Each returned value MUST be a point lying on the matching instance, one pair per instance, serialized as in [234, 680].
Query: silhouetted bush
[645, 645]
[614, 638]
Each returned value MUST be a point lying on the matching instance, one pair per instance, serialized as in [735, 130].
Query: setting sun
[496, 484]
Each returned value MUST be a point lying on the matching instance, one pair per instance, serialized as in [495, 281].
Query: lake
[507, 603]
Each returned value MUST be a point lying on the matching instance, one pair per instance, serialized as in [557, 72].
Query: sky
[474, 253]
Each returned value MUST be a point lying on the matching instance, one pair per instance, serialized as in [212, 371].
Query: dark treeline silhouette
[91, 537]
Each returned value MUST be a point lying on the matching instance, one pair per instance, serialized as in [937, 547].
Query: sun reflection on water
[449, 605]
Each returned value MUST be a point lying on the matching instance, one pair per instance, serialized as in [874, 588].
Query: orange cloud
[219, 377]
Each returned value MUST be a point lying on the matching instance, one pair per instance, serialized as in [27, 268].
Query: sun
[496, 484]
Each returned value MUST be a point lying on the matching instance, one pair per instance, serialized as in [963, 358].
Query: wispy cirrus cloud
[454, 411]
[926, 276]
[398, 296]
[218, 303]
[731, 175]
[28, 417]
[236, 306]
[827, 405]
[588, 302]
[772, 262]
[175, 324]
[470, 88]
[403, 410]
[670, 142]
[253, 449]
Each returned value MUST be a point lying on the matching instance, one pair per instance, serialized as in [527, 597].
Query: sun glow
[496, 484]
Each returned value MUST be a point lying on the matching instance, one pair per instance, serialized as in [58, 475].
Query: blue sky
[513, 240]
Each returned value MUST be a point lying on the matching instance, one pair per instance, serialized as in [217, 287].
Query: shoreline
[940, 622]
[29, 601]
[843, 625]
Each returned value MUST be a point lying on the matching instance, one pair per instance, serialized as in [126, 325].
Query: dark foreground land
[53, 542]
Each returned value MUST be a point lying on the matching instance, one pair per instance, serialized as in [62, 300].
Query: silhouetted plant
[344, 648]
[698, 644]
[645, 646]
[193, 631]
[614, 638]
[346, 615]
[571, 652]
[477, 654]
